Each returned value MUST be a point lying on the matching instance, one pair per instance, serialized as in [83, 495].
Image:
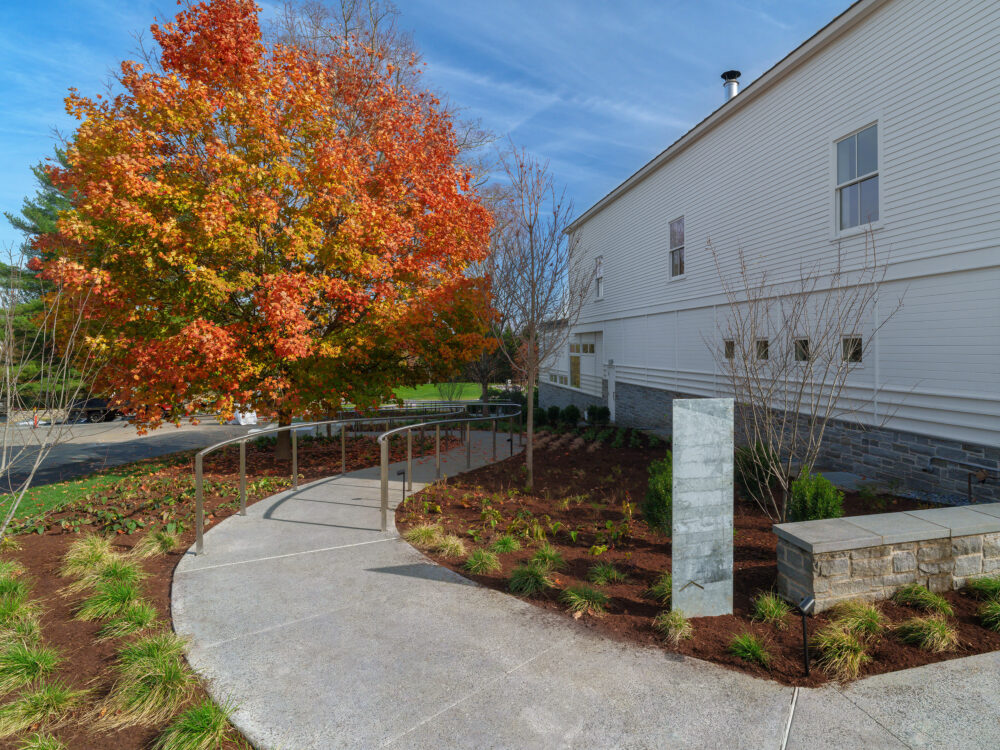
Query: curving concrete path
[327, 633]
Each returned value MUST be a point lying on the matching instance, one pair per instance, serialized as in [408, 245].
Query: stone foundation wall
[840, 559]
[554, 395]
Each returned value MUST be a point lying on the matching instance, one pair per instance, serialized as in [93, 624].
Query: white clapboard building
[886, 119]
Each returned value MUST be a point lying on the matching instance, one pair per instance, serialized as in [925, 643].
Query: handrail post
[520, 427]
[385, 484]
[243, 477]
[510, 426]
[343, 448]
[409, 460]
[493, 426]
[295, 460]
[468, 445]
[199, 506]
[437, 450]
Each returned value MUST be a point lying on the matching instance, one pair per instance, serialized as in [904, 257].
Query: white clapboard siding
[758, 177]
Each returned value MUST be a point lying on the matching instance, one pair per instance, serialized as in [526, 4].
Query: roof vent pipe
[732, 83]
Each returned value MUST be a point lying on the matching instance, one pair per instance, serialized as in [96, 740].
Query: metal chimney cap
[731, 75]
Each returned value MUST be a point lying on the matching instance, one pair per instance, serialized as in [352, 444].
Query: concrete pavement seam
[279, 557]
[903, 742]
[791, 716]
[393, 740]
[280, 625]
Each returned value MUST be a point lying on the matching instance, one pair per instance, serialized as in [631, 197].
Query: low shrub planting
[750, 648]
[585, 600]
[506, 544]
[658, 506]
[673, 626]
[482, 561]
[204, 726]
[598, 415]
[933, 633]
[915, 595]
[605, 573]
[989, 614]
[841, 652]
[530, 579]
[770, 608]
[859, 618]
[662, 588]
[813, 497]
[984, 588]
[570, 416]
[552, 413]
[548, 557]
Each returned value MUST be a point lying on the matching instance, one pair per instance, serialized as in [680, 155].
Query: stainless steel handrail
[383, 441]
[386, 414]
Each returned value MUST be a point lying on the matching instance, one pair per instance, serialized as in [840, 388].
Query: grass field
[430, 392]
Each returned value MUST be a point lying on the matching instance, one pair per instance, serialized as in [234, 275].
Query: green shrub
[584, 599]
[750, 648]
[658, 506]
[548, 557]
[619, 439]
[598, 414]
[21, 665]
[570, 415]
[530, 579]
[813, 497]
[505, 544]
[604, 573]
[482, 561]
[540, 417]
[770, 608]
[915, 595]
[553, 414]
[662, 589]
[673, 626]
[932, 633]
[985, 588]
[989, 614]
[204, 726]
[859, 618]
[841, 652]
[754, 469]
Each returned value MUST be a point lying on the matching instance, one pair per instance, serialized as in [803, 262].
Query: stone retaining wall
[871, 557]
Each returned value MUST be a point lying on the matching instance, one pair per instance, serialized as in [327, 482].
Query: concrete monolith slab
[703, 506]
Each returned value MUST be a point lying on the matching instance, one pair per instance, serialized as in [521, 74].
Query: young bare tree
[539, 287]
[788, 350]
[46, 364]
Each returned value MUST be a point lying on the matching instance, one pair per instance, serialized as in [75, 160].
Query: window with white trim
[677, 247]
[599, 277]
[801, 347]
[857, 178]
[763, 349]
[729, 348]
[853, 348]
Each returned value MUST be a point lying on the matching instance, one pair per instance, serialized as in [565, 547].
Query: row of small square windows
[852, 349]
[581, 348]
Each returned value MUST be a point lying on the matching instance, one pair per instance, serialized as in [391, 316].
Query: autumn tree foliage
[270, 226]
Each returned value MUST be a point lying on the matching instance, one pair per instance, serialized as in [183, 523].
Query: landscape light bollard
[806, 607]
[385, 484]
[468, 445]
[243, 477]
[437, 450]
[295, 460]
[409, 461]
[199, 506]
[402, 473]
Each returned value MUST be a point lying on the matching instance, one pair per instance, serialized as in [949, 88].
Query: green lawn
[430, 392]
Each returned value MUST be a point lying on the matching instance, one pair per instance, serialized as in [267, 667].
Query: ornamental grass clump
[135, 618]
[984, 588]
[932, 633]
[110, 599]
[770, 608]
[673, 626]
[750, 648]
[21, 664]
[482, 561]
[46, 706]
[841, 651]
[204, 726]
[152, 682]
[585, 600]
[160, 542]
[859, 618]
[425, 536]
[915, 595]
[604, 574]
[530, 579]
[40, 741]
[548, 557]
[112, 570]
[450, 546]
[662, 588]
[86, 554]
[989, 614]
[505, 544]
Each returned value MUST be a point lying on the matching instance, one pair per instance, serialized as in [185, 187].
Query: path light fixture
[806, 607]
[402, 473]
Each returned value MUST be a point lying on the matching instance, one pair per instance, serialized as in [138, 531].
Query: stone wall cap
[990, 509]
[826, 535]
[961, 521]
[901, 527]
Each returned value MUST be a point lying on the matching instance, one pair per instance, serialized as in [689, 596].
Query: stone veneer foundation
[871, 557]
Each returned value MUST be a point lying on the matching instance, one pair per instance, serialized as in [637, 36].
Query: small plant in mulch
[39, 741]
[770, 608]
[482, 561]
[984, 588]
[425, 536]
[110, 599]
[45, 706]
[159, 542]
[582, 599]
[152, 682]
[673, 626]
[86, 555]
[548, 557]
[604, 574]
[530, 579]
[204, 726]
[842, 652]
[450, 545]
[989, 614]
[21, 664]
[933, 633]
[137, 617]
[750, 648]
[505, 544]
[864, 620]
[915, 595]
[662, 588]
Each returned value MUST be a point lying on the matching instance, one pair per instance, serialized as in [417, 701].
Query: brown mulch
[598, 481]
[87, 662]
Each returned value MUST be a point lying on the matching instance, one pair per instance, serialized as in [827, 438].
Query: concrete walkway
[327, 633]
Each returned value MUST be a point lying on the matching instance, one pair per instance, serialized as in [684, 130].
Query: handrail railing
[384, 414]
[383, 441]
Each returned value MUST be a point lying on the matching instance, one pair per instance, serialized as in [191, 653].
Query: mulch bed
[597, 479]
[159, 493]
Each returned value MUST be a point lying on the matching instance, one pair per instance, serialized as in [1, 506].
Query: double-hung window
[857, 178]
[599, 277]
[677, 247]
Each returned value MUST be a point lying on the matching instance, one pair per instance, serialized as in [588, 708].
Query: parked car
[92, 410]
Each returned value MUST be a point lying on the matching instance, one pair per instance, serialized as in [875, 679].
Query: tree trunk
[529, 449]
[283, 448]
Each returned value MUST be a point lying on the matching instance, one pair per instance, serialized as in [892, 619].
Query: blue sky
[597, 88]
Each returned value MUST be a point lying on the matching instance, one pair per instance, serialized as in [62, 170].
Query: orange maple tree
[266, 226]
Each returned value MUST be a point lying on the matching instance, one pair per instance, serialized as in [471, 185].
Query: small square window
[802, 350]
[729, 348]
[853, 348]
[762, 349]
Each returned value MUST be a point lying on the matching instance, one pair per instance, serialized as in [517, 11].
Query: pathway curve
[327, 633]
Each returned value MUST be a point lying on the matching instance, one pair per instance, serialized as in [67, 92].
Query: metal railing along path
[383, 415]
[510, 411]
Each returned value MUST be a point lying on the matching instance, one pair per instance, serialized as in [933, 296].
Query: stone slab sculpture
[702, 540]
